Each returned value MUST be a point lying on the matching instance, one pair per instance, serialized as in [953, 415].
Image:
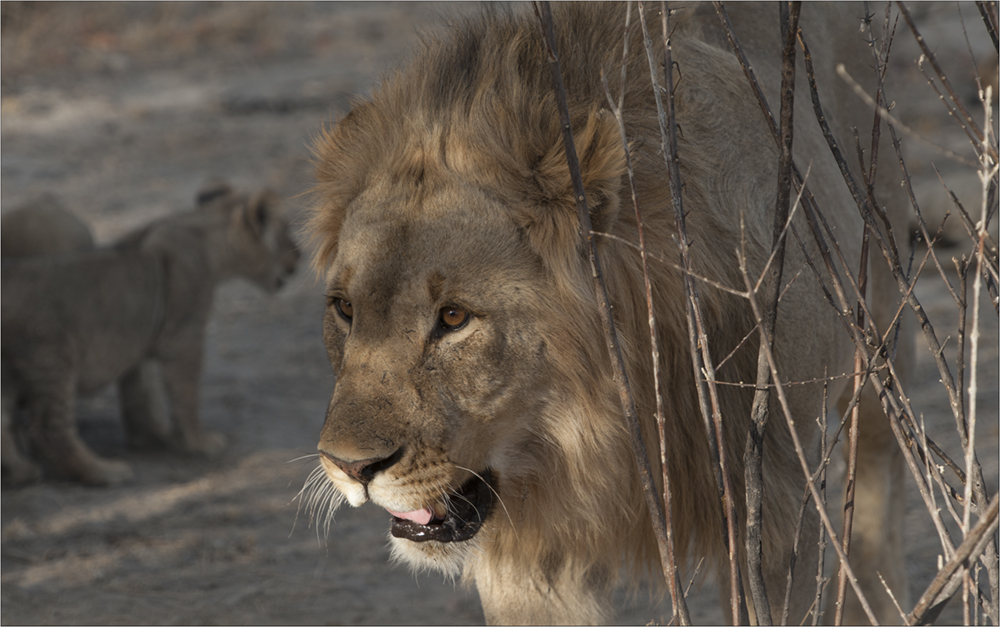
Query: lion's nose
[364, 470]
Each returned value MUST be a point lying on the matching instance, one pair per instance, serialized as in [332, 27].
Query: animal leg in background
[53, 429]
[21, 469]
[181, 376]
[144, 406]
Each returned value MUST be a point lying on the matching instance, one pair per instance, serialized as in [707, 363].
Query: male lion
[474, 397]
[73, 324]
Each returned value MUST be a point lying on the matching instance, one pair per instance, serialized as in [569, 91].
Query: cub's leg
[182, 375]
[143, 406]
[21, 470]
[54, 433]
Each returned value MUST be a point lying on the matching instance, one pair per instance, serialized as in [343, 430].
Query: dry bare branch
[544, 14]
[965, 120]
[704, 371]
[753, 451]
[950, 576]
[950, 154]
[679, 610]
[989, 20]
[987, 151]
[974, 470]
[825, 451]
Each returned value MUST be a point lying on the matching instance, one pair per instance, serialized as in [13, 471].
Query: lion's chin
[460, 521]
[448, 559]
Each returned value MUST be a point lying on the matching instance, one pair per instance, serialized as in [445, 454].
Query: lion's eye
[344, 308]
[453, 318]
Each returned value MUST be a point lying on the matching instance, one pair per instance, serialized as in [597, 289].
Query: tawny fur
[43, 226]
[75, 323]
[449, 188]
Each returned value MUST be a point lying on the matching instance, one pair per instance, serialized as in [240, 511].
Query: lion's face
[431, 328]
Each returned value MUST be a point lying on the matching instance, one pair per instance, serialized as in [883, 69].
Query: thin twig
[853, 84]
[949, 577]
[822, 542]
[889, 404]
[852, 457]
[544, 15]
[700, 354]
[989, 20]
[679, 610]
[888, 590]
[987, 151]
[966, 119]
[752, 456]
[971, 463]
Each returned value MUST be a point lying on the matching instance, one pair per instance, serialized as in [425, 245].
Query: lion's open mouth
[468, 510]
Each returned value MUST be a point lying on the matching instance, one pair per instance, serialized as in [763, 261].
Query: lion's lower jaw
[448, 558]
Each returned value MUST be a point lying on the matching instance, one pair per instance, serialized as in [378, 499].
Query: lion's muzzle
[464, 515]
[455, 519]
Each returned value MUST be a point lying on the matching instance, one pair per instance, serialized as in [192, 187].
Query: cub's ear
[256, 213]
[550, 218]
[211, 190]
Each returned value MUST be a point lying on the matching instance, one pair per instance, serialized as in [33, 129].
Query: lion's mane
[478, 107]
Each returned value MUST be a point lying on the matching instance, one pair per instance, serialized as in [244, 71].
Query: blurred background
[122, 110]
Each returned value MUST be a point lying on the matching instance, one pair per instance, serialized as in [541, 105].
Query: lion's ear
[550, 218]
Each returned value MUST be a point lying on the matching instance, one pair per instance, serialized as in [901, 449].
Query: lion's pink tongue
[419, 516]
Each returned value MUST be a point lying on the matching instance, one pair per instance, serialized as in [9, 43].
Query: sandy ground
[122, 111]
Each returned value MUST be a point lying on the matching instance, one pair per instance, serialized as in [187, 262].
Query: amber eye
[344, 308]
[453, 318]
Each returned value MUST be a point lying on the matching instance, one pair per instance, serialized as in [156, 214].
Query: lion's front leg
[879, 505]
[182, 377]
[54, 432]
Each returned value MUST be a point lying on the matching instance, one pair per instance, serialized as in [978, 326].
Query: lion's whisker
[470, 503]
[304, 496]
[497, 494]
[320, 499]
[302, 457]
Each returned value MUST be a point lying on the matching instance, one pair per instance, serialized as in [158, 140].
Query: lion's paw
[209, 443]
[23, 473]
[106, 472]
[147, 441]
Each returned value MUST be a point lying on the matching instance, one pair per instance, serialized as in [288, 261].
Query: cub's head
[258, 244]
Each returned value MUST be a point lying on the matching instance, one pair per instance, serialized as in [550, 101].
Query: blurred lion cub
[75, 323]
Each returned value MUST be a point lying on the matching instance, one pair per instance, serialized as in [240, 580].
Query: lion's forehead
[431, 251]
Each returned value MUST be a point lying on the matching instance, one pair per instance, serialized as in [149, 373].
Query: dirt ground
[122, 110]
